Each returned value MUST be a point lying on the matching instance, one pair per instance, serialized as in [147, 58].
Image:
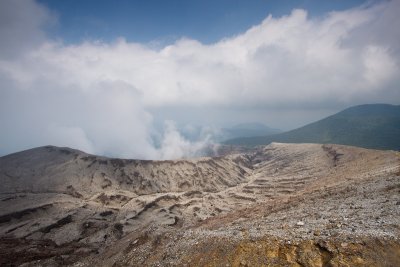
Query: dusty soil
[281, 205]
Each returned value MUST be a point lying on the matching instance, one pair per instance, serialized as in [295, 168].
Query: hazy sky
[101, 75]
[159, 22]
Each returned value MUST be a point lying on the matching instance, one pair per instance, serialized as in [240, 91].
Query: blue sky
[165, 21]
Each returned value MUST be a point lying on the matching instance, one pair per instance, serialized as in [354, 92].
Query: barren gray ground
[284, 204]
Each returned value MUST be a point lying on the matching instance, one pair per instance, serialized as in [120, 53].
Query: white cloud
[101, 92]
[69, 137]
[379, 66]
[174, 146]
[21, 25]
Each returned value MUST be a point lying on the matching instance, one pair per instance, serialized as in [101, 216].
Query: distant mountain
[247, 130]
[370, 126]
[220, 134]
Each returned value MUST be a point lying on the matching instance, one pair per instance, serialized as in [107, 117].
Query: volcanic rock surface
[280, 205]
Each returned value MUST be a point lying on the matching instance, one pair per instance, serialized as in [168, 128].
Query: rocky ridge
[283, 204]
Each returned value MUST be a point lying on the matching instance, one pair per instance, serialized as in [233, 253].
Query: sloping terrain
[370, 126]
[284, 204]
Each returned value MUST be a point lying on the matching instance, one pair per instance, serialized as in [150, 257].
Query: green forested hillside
[370, 126]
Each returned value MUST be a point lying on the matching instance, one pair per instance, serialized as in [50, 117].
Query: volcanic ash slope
[284, 204]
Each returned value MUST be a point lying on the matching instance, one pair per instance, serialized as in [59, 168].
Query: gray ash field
[283, 204]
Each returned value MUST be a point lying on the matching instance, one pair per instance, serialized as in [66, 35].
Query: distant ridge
[371, 126]
[247, 130]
